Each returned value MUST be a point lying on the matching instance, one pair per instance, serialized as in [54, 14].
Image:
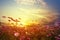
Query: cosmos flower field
[9, 31]
[29, 20]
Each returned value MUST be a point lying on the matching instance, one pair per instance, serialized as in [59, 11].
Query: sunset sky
[30, 9]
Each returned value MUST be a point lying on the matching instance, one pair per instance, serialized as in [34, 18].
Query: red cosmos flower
[16, 34]
[16, 20]
[3, 16]
[11, 18]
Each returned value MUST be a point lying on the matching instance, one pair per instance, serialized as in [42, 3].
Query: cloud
[32, 2]
[25, 2]
[43, 3]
